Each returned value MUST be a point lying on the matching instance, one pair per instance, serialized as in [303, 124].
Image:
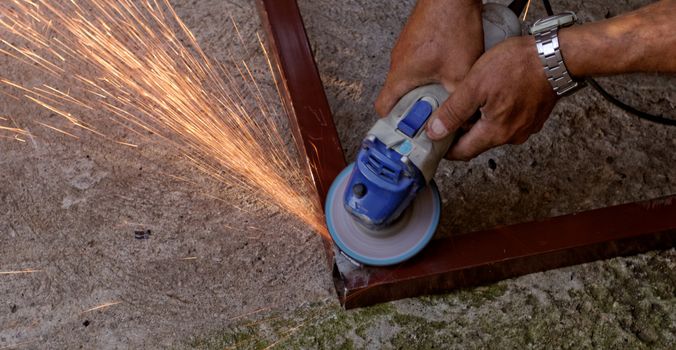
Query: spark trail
[139, 63]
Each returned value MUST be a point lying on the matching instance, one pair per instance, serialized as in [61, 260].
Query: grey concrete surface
[69, 208]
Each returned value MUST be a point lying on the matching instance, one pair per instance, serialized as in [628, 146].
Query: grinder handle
[403, 128]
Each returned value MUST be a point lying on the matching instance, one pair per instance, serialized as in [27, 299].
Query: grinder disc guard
[394, 244]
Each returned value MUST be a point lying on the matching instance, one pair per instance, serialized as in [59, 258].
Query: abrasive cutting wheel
[391, 245]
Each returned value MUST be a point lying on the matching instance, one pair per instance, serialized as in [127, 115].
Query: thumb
[392, 91]
[454, 112]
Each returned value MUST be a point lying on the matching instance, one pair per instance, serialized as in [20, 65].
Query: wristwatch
[545, 31]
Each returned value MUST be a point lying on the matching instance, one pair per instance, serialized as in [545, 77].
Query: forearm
[640, 41]
[448, 6]
[449, 12]
[453, 20]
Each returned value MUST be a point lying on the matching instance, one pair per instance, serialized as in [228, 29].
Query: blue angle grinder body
[385, 207]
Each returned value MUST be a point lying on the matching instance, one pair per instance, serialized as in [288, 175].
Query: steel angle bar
[504, 252]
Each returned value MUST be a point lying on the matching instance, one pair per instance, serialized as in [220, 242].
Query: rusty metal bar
[504, 252]
[454, 262]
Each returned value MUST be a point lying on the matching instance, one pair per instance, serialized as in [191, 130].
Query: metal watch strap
[547, 43]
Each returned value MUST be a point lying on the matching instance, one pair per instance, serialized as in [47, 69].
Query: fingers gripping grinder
[384, 208]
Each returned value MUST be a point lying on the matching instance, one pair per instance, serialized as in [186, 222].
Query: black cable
[629, 109]
[548, 7]
[612, 99]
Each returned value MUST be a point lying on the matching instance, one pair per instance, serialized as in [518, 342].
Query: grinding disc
[394, 244]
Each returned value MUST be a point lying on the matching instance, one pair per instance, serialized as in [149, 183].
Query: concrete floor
[69, 208]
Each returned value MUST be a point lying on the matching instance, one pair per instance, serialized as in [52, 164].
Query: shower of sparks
[138, 64]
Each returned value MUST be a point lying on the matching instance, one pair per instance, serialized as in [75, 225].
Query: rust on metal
[504, 252]
[458, 261]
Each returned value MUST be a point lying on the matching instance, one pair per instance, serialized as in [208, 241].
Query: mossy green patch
[318, 326]
[419, 333]
[469, 296]
[625, 303]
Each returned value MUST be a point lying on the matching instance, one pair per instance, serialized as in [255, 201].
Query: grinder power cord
[568, 18]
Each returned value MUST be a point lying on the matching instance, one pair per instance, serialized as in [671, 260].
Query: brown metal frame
[303, 96]
[487, 256]
[459, 261]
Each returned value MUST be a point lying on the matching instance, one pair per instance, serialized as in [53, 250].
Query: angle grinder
[385, 207]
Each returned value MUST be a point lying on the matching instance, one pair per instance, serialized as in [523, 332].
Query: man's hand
[508, 85]
[439, 44]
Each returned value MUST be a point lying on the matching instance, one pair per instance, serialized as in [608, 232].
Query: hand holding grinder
[385, 207]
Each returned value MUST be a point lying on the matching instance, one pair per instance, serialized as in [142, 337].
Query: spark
[19, 272]
[285, 336]
[250, 313]
[138, 66]
[126, 144]
[14, 138]
[313, 320]
[102, 306]
[14, 131]
[189, 258]
[525, 12]
[58, 130]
